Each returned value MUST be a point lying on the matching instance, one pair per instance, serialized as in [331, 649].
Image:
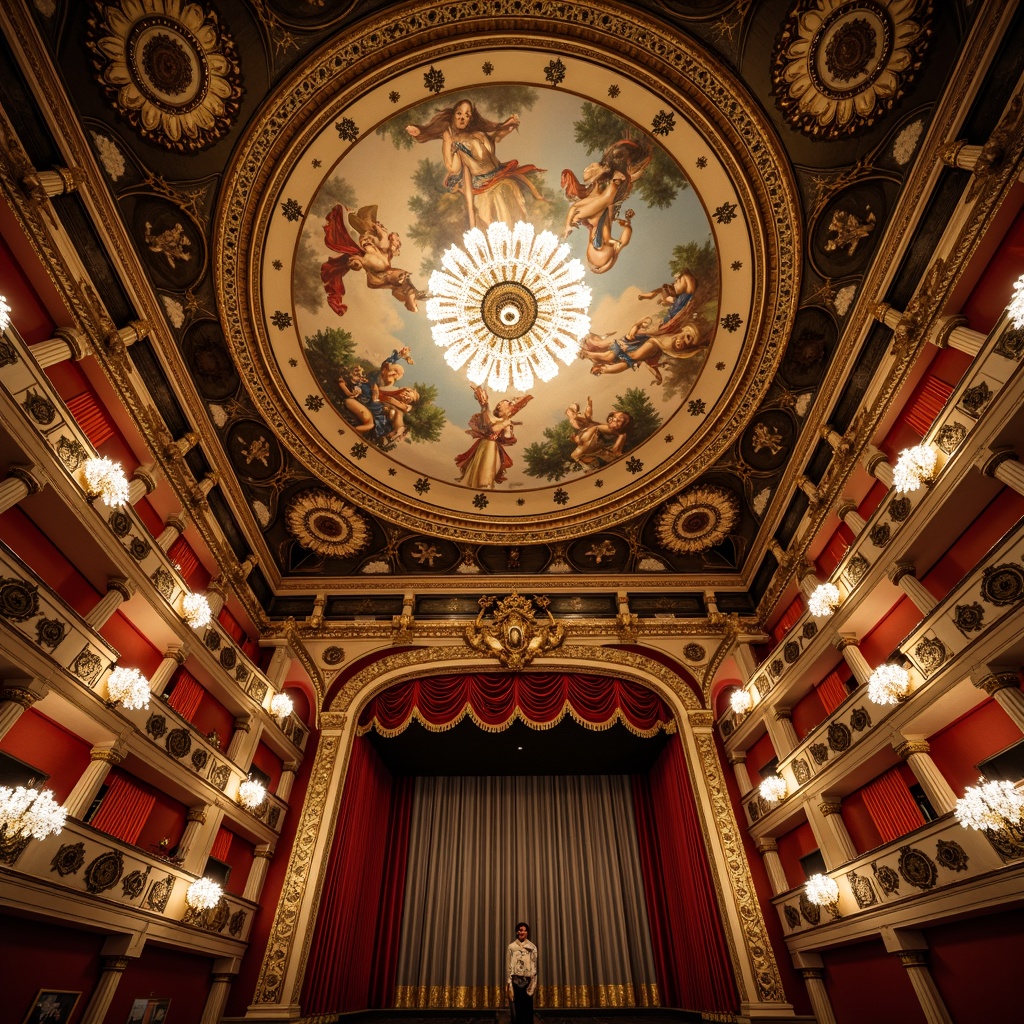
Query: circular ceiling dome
[642, 157]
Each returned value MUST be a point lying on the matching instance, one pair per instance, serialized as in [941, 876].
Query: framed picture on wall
[52, 1006]
[149, 1011]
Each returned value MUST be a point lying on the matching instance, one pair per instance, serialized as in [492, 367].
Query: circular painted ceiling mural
[350, 215]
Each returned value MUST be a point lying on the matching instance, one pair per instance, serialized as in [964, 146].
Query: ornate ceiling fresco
[291, 174]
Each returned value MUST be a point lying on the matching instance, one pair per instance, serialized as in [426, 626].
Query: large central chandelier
[507, 302]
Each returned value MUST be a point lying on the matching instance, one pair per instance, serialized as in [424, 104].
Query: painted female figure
[492, 190]
[486, 462]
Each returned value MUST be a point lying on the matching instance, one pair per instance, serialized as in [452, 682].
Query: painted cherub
[597, 444]
[640, 344]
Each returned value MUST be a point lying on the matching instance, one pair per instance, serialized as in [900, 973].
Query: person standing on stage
[521, 974]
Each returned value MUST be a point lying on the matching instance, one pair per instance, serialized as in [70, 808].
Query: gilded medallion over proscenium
[639, 186]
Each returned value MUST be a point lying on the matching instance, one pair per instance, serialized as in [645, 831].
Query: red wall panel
[267, 761]
[877, 645]
[808, 712]
[184, 978]
[872, 499]
[45, 745]
[239, 856]
[210, 715]
[991, 294]
[858, 822]
[758, 756]
[135, 649]
[865, 982]
[793, 845]
[28, 314]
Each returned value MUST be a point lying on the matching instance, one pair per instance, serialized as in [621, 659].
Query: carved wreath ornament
[514, 636]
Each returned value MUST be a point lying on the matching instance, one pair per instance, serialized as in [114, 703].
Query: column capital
[843, 640]
[943, 327]
[26, 473]
[23, 692]
[121, 585]
[222, 978]
[292, 766]
[846, 506]
[901, 569]
[782, 714]
[149, 475]
[243, 723]
[811, 972]
[993, 678]
[737, 757]
[767, 845]
[114, 963]
[873, 459]
[905, 748]
[75, 341]
[263, 852]
[990, 459]
[111, 754]
[179, 652]
[196, 814]
[912, 957]
[177, 521]
[829, 807]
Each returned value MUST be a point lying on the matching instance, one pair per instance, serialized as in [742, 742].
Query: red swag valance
[493, 702]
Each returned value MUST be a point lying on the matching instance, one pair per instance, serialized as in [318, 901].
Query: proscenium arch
[281, 975]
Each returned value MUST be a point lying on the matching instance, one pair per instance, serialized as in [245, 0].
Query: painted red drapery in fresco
[541, 700]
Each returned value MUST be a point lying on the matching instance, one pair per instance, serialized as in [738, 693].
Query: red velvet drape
[789, 618]
[221, 845]
[493, 701]
[180, 553]
[891, 806]
[124, 809]
[94, 420]
[358, 890]
[831, 691]
[691, 955]
[186, 695]
[925, 404]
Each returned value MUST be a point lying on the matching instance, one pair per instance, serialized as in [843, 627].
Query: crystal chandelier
[105, 479]
[888, 684]
[195, 609]
[914, 467]
[31, 813]
[1016, 306]
[5, 314]
[251, 793]
[281, 705]
[773, 788]
[822, 891]
[823, 601]
[990, 805]
[507, 302]
[129, 688]
[741, 702]
[203, 894]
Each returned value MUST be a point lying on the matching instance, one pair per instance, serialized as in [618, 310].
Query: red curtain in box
[540, 700]
[94, 420]
[925, 404]
[186, 695]
[789, 619]
[221, 845]
[124, 809]
[181, 554]
[231, 625]
[691, 954]
[831, 691]
[893, 810]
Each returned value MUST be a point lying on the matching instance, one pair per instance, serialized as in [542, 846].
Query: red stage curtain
[893, 810]
[831, 691]
[341, 964]
[180, 553]
[124, 809]
[925, 404]
[541, 700]
[690, 950]
[221, 845]
[788, 620]
[186, 695]
[94, 420]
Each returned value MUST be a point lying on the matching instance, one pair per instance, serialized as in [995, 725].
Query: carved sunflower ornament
[324, 523]
[698, 519]
[841, 64]
[168, 68]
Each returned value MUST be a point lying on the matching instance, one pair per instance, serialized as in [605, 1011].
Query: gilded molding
[909, 747]
[20, 695]
[997, 681]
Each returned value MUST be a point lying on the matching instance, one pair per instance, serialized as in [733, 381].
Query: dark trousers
[522, 1003]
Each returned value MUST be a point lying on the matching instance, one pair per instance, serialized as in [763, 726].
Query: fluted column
[746, 662]
[287, 780]
[847, 645]
[817, 994]
[194, 821]
[780, 729]
[43, 185]
[834, 841]
[916, 752]
[903, 574]
[102, 758]
[277, 670]
[962, 155]
[20, 482]
[769, 851]
[244, 740]
[180, 448]
[738, 760]
[261, 858]
[119, 590]
[216, 595]
[16, 697]
[808, 488]
[174, 527]
[200, 841]
[103, 994]
[1003, 683]
[65, 344]
[847, 512]
[143, 482]
[916, 963]
[950, 332]
[808, 580]
[174, 656]
[220, 988]
[1003, 464]
[876, 463]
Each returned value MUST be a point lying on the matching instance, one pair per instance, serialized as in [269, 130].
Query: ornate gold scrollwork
[515, 638]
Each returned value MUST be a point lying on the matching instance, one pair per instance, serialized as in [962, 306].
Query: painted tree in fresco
[551, 459]
[426, 420]
[599, 128]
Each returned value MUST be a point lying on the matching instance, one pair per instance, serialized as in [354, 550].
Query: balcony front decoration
[1016, 307]
[29, 813]
[741, 701]
[914, 468]
[203, 894]
[129, 688]
[195, 610]
[251, 793]
[507, 302]
[889, 684]
[823, 601]
[773, 789]
[105, 479]
[990, 806]
[281, 705]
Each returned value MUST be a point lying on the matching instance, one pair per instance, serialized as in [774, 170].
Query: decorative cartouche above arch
[630, 142]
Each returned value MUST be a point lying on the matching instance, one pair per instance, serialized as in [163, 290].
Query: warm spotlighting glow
[741, 702]
[773, 788]
[129, 688]
[914, 467]
[105, 479]
[822, 891]
[1016, 306]
[990, 805]
[251, 794]
[888, 684]
[30, 812]
[203, 894]
[281, 705]
[507, 301]
[195, 610]
[823, 601]
[5, 314]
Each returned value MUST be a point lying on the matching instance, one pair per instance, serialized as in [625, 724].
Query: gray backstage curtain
[557, 851]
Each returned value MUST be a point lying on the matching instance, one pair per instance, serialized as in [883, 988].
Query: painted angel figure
[486, 462]
[597, 443]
